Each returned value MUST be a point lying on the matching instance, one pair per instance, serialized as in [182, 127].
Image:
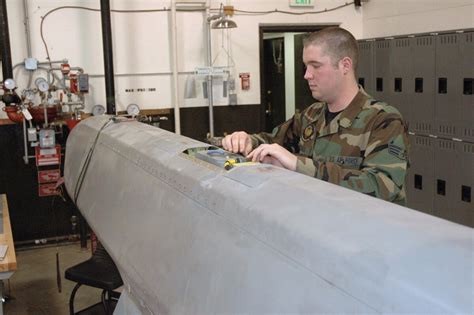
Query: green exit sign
[301, 3]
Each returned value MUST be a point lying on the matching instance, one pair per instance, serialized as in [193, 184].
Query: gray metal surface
[401, 76]
[423, 96]
[446, 192]
[420, 181]
[467, 72]
[365, 67]
[464, 209]
[191, 238]
[448, 104]
[382, 49]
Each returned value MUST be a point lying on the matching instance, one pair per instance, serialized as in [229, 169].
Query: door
[303, 97]
[274, 70]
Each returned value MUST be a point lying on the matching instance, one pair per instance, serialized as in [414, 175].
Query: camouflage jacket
[364, 147]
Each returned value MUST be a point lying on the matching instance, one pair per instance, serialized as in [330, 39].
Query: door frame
[279, 28]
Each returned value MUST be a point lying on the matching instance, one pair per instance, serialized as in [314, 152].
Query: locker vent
[441, 187]
[398, 85]
[468, 86]
[424, 41]
[418, 182]
[423, 127]
[447, 130]
[423, 141]
[383, 44]
[466, 193]
[402, 43]
[418, 85]
[468, 132]
[468, 148]
[446, 145]
[468, 37]
[449, 39]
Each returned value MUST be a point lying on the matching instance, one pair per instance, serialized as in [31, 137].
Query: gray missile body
[190, 237]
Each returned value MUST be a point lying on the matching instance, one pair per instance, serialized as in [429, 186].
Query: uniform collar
[347, 116]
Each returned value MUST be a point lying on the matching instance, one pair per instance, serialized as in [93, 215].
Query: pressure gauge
[133, 110]
[42, 84]
[28, 94]
[98, 110]
[9, 84]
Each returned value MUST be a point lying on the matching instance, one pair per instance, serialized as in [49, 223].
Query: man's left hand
[274, 154]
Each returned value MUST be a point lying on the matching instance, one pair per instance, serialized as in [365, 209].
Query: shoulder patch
[397, 151]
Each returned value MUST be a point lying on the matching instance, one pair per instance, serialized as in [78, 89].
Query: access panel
[420, 175]
[401, 75]
[365, 68]
[448, 88]
[464, 185]
[382, 70]
[466, 79]
[445, 191]
[422, 86]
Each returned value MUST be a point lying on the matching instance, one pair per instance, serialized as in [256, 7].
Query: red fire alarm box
[49, 176]
[48, 156]
[244, 81]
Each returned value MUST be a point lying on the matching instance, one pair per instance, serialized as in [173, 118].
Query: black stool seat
[99, 271]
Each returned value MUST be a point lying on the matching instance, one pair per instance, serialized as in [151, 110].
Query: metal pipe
[25, 142]
[209, 81]
[108, 56]
[174, 42]
[27, 27]
[7, 69]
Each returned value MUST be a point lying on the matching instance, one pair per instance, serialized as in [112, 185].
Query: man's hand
[274, 154]
[238, 142]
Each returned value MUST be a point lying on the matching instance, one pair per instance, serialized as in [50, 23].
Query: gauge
[28, 94]
[133, 110]
[9, 84]
[98, 110]
[42, 84]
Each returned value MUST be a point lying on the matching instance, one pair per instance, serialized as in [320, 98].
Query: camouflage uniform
[364, 148]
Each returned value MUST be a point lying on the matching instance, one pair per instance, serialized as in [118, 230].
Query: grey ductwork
[108, 56]
[7, 69]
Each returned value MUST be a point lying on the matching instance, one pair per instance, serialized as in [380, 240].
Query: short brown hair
[337, 44]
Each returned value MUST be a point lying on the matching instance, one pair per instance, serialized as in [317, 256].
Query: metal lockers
[365, 68]
[400, 76]
[448, 86]
[466, 50]
[382, 50]
[446, 155]
[423, 86]
[464, 185]
[420, 175]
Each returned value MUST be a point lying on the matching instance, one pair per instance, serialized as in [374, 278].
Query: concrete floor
[33, 287]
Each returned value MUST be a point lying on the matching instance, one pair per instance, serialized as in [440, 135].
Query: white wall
[142, 44]
[400, 17]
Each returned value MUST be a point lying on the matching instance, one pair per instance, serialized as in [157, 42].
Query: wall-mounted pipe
[7, 69]
[108, 56]
[174, 47]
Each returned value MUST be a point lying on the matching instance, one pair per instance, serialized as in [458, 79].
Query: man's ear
[346, 64]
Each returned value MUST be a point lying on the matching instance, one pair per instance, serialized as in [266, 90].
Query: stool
[100, 272]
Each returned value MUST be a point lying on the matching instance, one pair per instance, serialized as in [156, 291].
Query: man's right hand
[238, 142]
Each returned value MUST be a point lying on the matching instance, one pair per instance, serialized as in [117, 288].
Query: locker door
[420, 176]
[401, 73]
[382, 70]
[466, 78]
[464, 186]
[423, 86]
[365, 68]
[448, 87]
[445, 192]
